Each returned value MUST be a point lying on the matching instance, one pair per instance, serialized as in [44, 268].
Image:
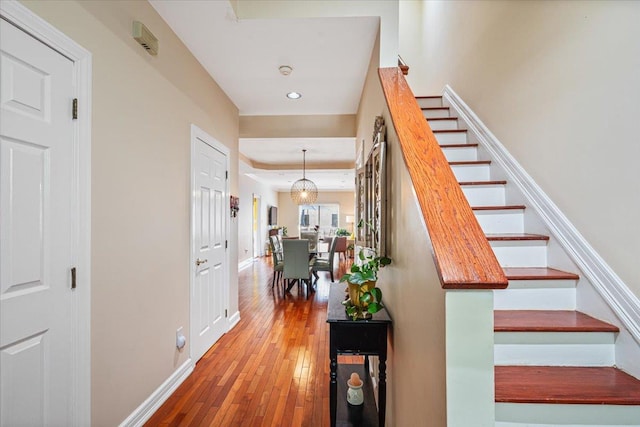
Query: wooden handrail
[403, 66]
[462, 254]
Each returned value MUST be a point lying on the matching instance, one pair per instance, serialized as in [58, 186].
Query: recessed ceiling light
[294, 95]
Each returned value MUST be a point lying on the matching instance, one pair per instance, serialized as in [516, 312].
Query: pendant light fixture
[304, 191]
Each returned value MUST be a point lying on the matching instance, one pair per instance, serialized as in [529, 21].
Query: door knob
[201, 261]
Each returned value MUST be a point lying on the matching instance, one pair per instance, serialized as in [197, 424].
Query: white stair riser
[505, 221]
[461, 154]
[471, 172]
[440, 112]
[484, 195]
[429, 102]
[443, 124]
[535, 298]
[451, 137]
[554, 348]
[553, 415]
[521, 253]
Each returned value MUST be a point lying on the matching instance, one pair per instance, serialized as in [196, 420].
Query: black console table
[365, 337]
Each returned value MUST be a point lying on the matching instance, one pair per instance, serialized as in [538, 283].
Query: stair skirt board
[552, 415]
[554, 348]
[611, 290]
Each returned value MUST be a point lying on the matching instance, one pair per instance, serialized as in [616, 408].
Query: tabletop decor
[364, 297]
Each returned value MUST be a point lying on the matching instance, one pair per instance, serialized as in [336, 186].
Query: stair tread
[441, 118]
[428, 96]
[498, 207]
[483, 183]
[515, 236]
[548, 321]
[457, 145]
[470, 162]
[434, 108]
[538, 273]
[449, 131]
[565, 385]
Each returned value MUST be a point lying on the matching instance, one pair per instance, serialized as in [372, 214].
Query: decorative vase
[355, 396]
[355, 292]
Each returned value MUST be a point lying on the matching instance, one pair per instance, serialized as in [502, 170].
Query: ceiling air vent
[145, 38]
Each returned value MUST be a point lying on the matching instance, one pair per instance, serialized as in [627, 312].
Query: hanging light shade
[304, 191]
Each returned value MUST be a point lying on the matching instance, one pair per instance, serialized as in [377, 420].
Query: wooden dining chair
[325, 264]
[296, 262]
[341, 246]
[278, 259]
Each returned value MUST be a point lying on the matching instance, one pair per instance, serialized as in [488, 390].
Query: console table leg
[333, 387]
[382, 390]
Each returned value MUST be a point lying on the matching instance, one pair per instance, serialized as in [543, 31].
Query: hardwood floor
[272, 369]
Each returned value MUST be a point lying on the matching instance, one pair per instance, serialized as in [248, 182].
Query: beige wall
[557, 83]
[143, 107]
[288, 210]
[268, 197]
[410, 285]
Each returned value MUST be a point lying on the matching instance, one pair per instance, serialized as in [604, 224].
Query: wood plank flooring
[272, 369]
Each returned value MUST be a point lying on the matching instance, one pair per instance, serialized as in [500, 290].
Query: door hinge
[225, 313]
[73, 277]
[74, 109]
[226, 244]
[226, 174]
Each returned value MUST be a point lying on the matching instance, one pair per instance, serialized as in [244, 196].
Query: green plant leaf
[355, 268]
[366, 298]
[385, 260]
[377, 294]
[374, 307]
[345, 278]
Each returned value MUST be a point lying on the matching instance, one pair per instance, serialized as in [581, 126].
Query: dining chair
[277, 257]
[325, 264]
[341, 246]
[312, 237]
[296, 262]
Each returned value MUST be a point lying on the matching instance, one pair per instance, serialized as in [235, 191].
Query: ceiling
[329, 57]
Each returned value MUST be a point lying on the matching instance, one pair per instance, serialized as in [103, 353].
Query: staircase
[553, 364]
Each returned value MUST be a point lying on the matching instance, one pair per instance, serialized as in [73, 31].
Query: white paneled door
[37, 220]
[208, 299]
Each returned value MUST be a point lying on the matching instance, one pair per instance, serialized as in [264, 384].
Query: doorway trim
[32, 24]
[197, 133]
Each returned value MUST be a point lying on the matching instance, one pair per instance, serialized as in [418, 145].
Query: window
[325, 216]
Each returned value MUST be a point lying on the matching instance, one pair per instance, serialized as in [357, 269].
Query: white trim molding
[233, 320]
[611, 288]
[143, 412]
[246, 263]
[22, 17]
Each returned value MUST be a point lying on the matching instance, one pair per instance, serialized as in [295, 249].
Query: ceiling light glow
[294, 95]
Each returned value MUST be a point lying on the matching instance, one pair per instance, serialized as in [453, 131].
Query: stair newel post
[469, 357]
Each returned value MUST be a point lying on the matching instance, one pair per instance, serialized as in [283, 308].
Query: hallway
[272, 369]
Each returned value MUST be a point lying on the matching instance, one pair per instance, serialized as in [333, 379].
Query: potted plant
[342, 232]
[364, 297]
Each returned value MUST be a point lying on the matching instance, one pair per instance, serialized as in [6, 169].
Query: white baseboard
[246, 263]
[233, 320]
[158, 397]
[610, 287]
